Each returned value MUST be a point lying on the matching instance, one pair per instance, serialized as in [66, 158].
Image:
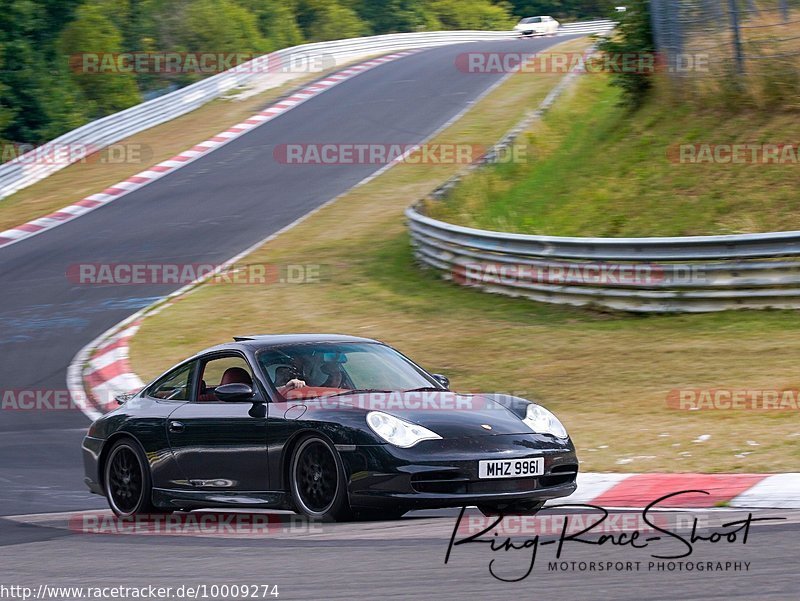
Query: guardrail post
[737, 40]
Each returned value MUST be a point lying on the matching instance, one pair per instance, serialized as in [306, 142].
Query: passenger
[335, 374]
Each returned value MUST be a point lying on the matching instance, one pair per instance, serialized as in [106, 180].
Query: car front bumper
[444, 473]
[91, 448]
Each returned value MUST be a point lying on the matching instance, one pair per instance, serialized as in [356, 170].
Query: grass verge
[599, 170]
[607, 376]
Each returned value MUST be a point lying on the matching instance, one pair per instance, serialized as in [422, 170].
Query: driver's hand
[294, 383]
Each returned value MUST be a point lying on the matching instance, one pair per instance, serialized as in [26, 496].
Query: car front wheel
[317, 481]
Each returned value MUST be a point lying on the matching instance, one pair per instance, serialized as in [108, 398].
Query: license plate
[511, 468]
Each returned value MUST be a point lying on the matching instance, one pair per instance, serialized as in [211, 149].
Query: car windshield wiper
[426, 389]
[355, 391]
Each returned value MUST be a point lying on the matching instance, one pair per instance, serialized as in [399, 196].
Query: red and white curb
[773, 491]
[108, 373]
[94, 201]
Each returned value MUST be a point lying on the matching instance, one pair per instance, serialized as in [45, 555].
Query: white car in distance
[530, 26]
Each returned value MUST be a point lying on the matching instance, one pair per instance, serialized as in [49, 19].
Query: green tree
[471, 14]
[39, 100]
[93, 33]
[633, 35]
[276, 23]
[577, 9]
[218, 26]
[7, 111]
[323, 20]
[135, 24]
[135, 21]
[392, 16]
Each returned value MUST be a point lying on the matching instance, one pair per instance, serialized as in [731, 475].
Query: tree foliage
[634, 35]
[92, 31]
[42, 97]
[565, 9]
[38, 99]
[471, 14]
[323, 20]
[277, 23]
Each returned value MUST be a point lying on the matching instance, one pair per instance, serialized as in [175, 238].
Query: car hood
[448, 414]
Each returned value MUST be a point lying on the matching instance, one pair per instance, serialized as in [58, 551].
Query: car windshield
[322, 369]
[531, 20]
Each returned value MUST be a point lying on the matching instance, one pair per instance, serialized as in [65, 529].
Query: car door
[158, 401]
[220, 446]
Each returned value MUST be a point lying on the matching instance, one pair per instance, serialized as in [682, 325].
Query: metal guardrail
[664, 275]
[23, 171]
[682, 274]
[600, 26]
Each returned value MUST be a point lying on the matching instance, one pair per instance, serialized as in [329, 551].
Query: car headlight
[541, 421]
[398, 431]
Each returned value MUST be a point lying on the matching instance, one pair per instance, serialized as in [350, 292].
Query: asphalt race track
[207, 212]
[399, 560]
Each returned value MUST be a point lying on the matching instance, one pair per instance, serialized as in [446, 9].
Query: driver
[324, 369]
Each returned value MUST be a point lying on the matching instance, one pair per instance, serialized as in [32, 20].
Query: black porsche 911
[333, 427]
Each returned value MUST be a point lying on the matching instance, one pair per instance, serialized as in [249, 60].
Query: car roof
[260, 341]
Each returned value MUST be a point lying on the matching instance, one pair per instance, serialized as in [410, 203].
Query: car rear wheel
[127, 480]
[317, 481]
[519, 508]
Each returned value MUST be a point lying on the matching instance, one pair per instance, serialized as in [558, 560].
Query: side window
[223, 370]
[175, 385]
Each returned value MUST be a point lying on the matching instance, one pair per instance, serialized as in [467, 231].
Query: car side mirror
[443, 380]
[124, 398]
[234, 393]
